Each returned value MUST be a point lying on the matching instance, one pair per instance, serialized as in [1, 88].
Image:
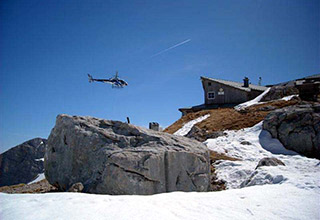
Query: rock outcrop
[23, 163]
[77, 187]
[297, 128]
[280, 91]
[111, 157]
[269, 161]
[202, 135]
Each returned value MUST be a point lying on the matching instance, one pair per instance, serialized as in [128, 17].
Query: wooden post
[128, 120]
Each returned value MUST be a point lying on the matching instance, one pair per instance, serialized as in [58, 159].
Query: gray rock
[267, 108]
[297, 128]
[245, 143]
[21, 164]
[77, 187]
[111, 157]
[262, 177]
[270, 161]
[280, 91]
[201, 135]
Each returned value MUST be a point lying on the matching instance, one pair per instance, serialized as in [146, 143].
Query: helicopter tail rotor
[90, 78]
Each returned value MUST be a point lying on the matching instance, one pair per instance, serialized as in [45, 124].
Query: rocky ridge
[23, 163]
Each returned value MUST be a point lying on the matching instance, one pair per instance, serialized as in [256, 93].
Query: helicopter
[115, 81]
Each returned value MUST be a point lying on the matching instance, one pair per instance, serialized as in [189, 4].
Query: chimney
[246, 82]
[154, 126]
[260, 79]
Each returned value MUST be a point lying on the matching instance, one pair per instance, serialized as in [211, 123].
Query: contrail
[174, 46]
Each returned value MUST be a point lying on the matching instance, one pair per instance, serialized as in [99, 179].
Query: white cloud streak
[170, 48]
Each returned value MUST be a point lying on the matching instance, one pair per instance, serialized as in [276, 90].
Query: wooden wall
[231, 95]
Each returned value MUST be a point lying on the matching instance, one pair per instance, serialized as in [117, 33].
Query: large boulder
[23, 163]
[280, 91]
[297, 128]
[111, 157]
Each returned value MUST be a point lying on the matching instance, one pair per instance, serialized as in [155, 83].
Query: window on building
[210, 95]
[209, 83]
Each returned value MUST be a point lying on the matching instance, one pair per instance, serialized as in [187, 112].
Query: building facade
[222, 93]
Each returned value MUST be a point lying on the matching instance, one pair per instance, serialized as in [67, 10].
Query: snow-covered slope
[281, 192]
[257, 202]
[300, 172]
[187, 127]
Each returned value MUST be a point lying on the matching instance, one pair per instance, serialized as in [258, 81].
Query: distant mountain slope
[23, 163]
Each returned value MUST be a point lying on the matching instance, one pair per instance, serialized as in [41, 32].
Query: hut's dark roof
[292, 82]
[236, 85]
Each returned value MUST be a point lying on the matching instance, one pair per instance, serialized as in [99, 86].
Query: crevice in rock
[141, 140]
[83, 125]
[133, 172]
[65, 140]
[103, 124]
[166, 171]
[313, 140]
[144, 159]
[115, 139]
[178, 180]
[191, 178]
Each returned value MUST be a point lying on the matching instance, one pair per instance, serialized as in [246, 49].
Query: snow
[256, 100]
[39, 159]
[273, 145]
[40, 175]
[288, 98]
[300, 172]
[39, 178]
[275, 192]
[252, 102]
[187, 127]
[257, 202]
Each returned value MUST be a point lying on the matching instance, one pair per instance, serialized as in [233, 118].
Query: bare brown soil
[215, 156]
[228, 118]
[42, 186]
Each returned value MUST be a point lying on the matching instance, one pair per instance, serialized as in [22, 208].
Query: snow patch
[256, 100]
[40, 177]
[273, 145]
[39, 159]
[252, 102]
[288, 98]
[187, 127]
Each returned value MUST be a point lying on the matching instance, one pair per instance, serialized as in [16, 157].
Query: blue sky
[48, 47]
